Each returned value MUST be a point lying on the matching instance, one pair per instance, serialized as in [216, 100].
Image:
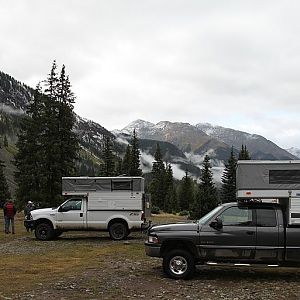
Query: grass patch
[167, 218]
[26, 271]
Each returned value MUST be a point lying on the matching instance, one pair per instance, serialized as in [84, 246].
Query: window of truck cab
[237, 216]
[266, 217]
[72, 204]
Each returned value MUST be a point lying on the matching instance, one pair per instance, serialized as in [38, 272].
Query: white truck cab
[113, 204]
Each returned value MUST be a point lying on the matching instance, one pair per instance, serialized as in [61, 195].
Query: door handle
[81, 214]
[250, 232]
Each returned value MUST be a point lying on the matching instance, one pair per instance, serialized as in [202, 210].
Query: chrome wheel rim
[178, 265]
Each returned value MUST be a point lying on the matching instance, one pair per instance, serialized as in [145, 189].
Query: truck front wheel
[44, 232]
[179, 264]
[118, 231]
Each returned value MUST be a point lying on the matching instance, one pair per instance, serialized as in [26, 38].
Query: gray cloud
[232, 63]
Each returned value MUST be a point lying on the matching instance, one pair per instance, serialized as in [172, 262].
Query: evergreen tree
[67, 139]
[186, 193]
[157, 184]
[29, 159]
[109, 158]
[135, 169]
[4, 190]
[126, 162]
[244, 154]
[207, 197]
[118, 166]
[47, 144]
[170, 201]
[228, 193]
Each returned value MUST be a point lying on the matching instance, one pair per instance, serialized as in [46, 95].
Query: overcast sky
[229, 63]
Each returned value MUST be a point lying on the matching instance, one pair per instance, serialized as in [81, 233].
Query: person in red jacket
[9, 210]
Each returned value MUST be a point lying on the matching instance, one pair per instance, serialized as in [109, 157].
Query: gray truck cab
[233, 233]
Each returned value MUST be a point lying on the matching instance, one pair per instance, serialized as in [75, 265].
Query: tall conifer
[135, 169]
[108, 158]
[228, 192]
[157, 184]
[4, 189]
[47, 144]
[207, 197]
[186, 192]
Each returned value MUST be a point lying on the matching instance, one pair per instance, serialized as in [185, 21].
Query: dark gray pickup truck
[233, 233]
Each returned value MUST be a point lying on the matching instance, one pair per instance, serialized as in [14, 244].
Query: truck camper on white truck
[113, 204]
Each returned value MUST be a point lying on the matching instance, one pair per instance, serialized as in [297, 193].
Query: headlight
[153, 239]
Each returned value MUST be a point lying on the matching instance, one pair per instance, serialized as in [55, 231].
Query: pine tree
[228, 193]
[126, 162]
[135, 169]
[67, 139]
[108, 158]
[4, 189]
[244, 154]
[207, 197]
[47, 144]
[157, 184]
[186, 195]
[29, 159]
[170, 201]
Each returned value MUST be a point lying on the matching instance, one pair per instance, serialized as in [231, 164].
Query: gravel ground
[141, 277]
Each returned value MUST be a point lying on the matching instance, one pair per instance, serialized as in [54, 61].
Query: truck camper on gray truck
[113, 204]
[261, 228]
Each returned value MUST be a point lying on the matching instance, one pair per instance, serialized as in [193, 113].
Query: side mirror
[216, 224]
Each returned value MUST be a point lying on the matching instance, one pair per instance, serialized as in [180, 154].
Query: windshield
[209, 215]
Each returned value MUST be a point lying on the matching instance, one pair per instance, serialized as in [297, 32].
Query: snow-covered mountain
[204, 137]
[184, 136]
[258, 146]
[185, 145]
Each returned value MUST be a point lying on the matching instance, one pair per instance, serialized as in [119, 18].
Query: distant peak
[137, 125]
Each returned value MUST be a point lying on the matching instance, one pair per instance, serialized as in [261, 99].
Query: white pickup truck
[113, 204]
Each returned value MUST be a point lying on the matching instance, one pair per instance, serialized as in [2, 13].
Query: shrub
[155, 210]
[184, 213]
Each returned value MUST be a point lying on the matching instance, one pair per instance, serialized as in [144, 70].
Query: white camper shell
[113, 204]
[107, 193]
[271, 181]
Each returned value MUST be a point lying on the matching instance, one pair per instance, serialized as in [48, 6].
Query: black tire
[118, 231]
[44, 232]
[179, 264]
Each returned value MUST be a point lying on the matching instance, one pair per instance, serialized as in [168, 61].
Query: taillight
[143, 216]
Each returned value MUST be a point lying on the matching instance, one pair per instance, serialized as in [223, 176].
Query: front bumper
[29, 224]
[152, 250]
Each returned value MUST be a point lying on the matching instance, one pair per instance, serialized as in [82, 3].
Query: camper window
[284, 176]
[121, 185]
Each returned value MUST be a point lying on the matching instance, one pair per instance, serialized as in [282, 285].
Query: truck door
[268, 233]
[71, 214]
[233, 240]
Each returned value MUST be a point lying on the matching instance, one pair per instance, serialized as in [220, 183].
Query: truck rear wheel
[118, 231]
[179, 264]
[44, 232]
